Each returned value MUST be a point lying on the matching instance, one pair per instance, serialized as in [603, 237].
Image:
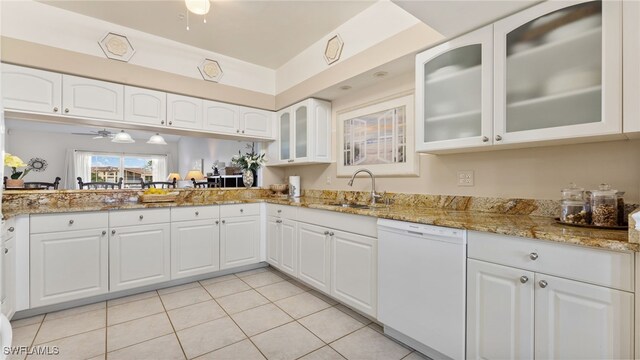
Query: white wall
[52, 147]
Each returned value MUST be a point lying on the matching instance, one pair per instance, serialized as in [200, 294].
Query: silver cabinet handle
[224, 222]
[162, 122]
[66, 110]
[243, 131]
[543, 284]
[141, 217]
[533, 256]
[217, 222]
[12, 229]
[55, 109]
[279, 211]
[104, 232]
[170, 122]
[70, 222]
[113, 232]
[6, 251]
[278, 221]
[197, 213]
[241, 210]
[331, 233]
[498, 137]
[524, 279]
[485, 139]
[326, 233]
[238, 131]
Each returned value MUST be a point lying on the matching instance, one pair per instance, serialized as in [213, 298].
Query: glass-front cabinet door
[301, 115]
[284, 136]
[557, 72]
[454, 93]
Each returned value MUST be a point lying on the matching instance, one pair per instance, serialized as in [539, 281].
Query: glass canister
[575, 209]
[604, 206]
[621, 218]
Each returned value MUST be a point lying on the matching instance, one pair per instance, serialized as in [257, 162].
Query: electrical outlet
[465, 178]
[328, 180]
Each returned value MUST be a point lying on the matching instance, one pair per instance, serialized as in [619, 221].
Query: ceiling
[267, 33]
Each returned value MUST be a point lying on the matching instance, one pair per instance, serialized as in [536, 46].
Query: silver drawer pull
[104, 232]
[55, 109]
[326, 233]
[113, 232]
[241, 210]
[331, 233]
[533, 256]
[197, 213]
[11, 229]
[6, 251]
[223, 221]
[70, 222]
[217, 222]
[141, 217]
[524, 279]
[66, 110]
[543, 284]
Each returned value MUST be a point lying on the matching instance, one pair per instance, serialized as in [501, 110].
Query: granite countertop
[536, 227]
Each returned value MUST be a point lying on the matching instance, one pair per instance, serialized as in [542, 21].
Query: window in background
[109, 167]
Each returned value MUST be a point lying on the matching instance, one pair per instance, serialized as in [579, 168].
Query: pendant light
[198, 7]
[156, 139]
[123, 138]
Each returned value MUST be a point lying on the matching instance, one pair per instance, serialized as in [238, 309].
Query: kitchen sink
[353, 206]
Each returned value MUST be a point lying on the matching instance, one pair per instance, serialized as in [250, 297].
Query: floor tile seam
[244, 333]
[184, 306]
[64, 337]
[353, 317]
[309, 314]
[219, 282]
[134, 319]
[173, 327]
[226, 346]
[66, 316]
[133, 301]
[173, 292]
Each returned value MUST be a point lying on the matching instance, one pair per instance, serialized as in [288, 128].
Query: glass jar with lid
[604, 206]
[575, 209]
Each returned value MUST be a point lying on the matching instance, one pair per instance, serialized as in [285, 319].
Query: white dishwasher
[422, 286]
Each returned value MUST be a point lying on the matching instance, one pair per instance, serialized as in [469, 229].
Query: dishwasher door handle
[415, 233]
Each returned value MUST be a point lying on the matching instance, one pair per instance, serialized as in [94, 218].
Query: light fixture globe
[198, 7]
[123, 138]
[156, 139]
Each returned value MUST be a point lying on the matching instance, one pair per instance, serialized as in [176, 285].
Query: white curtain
[77, 163]
[159, 168]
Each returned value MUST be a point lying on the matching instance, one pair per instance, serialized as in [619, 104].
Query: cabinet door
[499, 312]
[354, 271]
[68, 265]
[321, 132]
[314, 256]
[145, 106]
[256, 122]
[558, 72]
[84, 97]
[274, 238]
[195, 247]
[289, 247]
[139, 255]
[239, 241]
[630, 67]
[301, 129]
[454, 91]
[9, 277]
[284, 141]
[221, 118]
[31, 90]
[576, 320]
[184, 112]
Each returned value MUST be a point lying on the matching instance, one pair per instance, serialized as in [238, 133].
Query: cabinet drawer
[68, 222]
[358, 224]
[597, 266]
[285, 211]
[195, 213]
[138, 217]
[239, 210]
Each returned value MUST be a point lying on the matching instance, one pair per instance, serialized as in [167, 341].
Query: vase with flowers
[249, 163]
[16, 179]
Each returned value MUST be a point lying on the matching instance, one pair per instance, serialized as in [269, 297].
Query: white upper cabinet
[256, 122]
[184, 112]
[557, 72]
[220, 117]
[82, 97]
[630, 67]
[145, 106]
[31, 89]
[454, 93]
[303, 134]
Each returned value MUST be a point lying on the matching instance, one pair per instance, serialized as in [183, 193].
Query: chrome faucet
[374, 195]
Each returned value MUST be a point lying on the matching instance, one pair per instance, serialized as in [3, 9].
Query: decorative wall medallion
[37, 164]
[117, 47]
[210, 70]
[333, 50]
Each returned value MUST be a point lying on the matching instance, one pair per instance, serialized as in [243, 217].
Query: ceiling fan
[100, 134]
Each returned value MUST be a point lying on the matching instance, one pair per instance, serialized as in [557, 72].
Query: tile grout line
[175, 333]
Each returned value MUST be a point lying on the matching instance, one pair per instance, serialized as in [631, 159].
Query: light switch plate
[465, 178]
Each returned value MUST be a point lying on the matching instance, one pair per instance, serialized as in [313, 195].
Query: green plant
[251, 160]
[14, 163]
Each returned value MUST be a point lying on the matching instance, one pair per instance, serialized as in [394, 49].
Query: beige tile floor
[255, 314]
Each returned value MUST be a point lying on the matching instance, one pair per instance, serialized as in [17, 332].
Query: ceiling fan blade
[90, 134]
[98, 137]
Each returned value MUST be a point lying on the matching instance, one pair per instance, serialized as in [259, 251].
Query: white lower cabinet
[68, 265]
[8, 304]
[239, 241]
[282, 245]
[273, 241]
[139, 255]
[314, 256]
[527, 313]
[195, 247]
[354, 271]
